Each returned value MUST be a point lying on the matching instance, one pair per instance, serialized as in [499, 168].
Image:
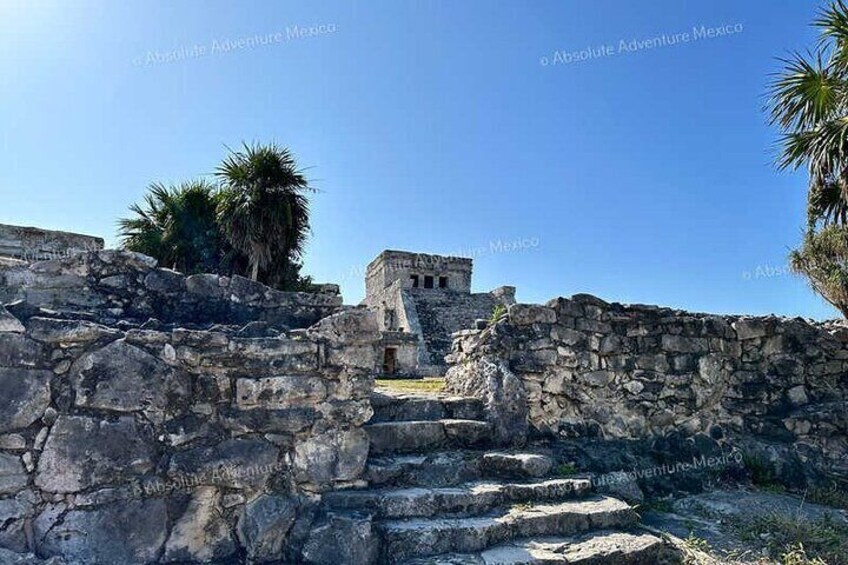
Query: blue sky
[641, 176]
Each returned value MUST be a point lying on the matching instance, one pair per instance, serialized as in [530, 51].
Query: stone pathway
[440, 493]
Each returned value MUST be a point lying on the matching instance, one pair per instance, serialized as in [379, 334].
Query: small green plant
[565, 469]
[797, 555]
[762, 474]
[498, 311]
[696, 543]
[522, 506]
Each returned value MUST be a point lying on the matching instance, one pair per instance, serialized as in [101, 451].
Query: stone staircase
[440, 493]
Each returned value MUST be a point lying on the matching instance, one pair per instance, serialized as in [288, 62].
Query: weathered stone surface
[405, 539]
[17, 351]
[129, 532]
[13, 477]
[680, 344]
[12, 442]
[336, 455]
[9, 557]
[264, 527]
[502, 393]
[526, 314]
[597, 548]
[342, 539]
[124, 378]
[751, 328]
[69, 332]
[24, 396]
[280, 392]
[120, 284]
[8, 323]
[200, 534]
[234, 463]
[517, 464]
[82, 452]
[632, 371]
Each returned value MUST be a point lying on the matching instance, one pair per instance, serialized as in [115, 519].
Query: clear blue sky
[641, 176]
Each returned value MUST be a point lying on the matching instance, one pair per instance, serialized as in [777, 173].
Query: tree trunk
[254, 271]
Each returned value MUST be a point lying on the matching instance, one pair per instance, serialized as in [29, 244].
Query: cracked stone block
[82, 452]
[24, 396]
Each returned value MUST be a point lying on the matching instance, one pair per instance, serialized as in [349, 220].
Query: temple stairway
[440, 493]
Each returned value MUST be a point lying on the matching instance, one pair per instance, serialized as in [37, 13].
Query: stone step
[515, 465]
[596, 548]
[424, 435]
[396, 407]
[469, 499]
[405, 539]
[435, 469]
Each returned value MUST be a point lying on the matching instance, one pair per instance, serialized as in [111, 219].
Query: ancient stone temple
[420, 300]
[148, 417]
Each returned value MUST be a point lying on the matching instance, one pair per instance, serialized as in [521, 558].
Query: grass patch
[412, 385]
[798, 556]
[797, 541]
[659, 505]
[833, 495]
[565, 470]
[762, 473]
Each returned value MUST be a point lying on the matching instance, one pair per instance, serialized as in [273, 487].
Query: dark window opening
[443, 282]
[390, 361]
[428, 281]
[414, 281]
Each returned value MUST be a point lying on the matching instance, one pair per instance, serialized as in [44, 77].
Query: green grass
[761, 472]
[796, 540]
[412, 385]
[658, 505]
[833, 495]
[565, 470]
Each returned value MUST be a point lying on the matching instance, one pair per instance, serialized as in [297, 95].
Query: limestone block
[68, 332]
[200, 534]
[264, 527]
[336, 455]
[129, 532]
[13, 476]
[24, 396]
[280, 392]
[9, 323]
[125, 378]
[528, 314]
[82, 452]
[342, 539]
[234, 463]
[19, 351]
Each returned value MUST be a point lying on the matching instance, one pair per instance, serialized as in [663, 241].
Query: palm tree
[263, 209]
[177, 225]
[809, 103]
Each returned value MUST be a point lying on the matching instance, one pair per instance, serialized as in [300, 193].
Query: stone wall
[141, 446]
[35, 244]
[581, 367]
[110, 286]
